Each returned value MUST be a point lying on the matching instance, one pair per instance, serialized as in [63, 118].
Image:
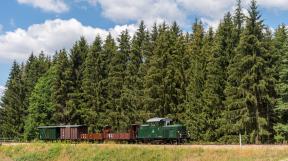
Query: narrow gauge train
[154, 130]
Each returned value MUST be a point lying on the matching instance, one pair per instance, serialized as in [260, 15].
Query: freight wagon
[49, 132]
[62, 132]
[154, 130]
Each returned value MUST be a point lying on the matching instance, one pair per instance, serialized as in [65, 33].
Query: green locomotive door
[154, 132]
[171, 133]
[160, 132]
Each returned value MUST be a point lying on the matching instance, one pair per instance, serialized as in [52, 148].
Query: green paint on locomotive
[49, 132]
[161, 128]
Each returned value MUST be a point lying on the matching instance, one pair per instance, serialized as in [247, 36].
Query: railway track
[209, 146]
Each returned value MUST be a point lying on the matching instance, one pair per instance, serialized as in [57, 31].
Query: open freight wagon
[108, 134]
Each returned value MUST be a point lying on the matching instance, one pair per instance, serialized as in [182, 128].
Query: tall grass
[116, 152]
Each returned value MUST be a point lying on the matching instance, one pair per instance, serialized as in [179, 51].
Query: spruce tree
[13, 109]
[238, 20]
[77, 57]
[135, 71]
[281, 46]
[249, 96]
[213, 87]
[196, 70]
[107, 111]
[61, 87]
[147, 56]
[90, 85]
[176, 70]
[154, 78]
[194, 118]
[41, 108]
[34, 68]
[163, 81]
[213, 95]
[117, 103]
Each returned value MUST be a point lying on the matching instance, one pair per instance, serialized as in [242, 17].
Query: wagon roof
[158, 119]
[175, 125]
[46, 127]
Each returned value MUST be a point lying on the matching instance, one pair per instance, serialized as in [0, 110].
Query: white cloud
[211, 22]
[210, 11]
[57, 6]
[118, 29]
[2, 89]
[148, 10]
[209, 8]
[50, 36]
[123, 11]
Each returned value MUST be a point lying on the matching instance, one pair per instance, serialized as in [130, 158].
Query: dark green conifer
[107, 110]
[13, 109]
[213, 95]
[91, 85]
[196, 75]
[41, 108]
[163, 81]
[238, 20]
[281, 46]
[136, 69]
[250, 99]
[77, 57]
[117, 103]
[61, 87]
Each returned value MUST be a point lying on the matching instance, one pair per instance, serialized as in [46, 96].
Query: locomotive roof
[158, 119]
[45, 127]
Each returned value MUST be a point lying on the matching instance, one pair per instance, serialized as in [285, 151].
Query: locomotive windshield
[159, 121]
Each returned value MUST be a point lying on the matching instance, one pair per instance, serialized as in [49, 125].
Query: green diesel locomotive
[162, 129]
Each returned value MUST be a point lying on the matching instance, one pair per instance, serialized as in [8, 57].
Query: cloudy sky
[28, 26]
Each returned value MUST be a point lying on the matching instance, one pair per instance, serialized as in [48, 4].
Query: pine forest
[219, 82]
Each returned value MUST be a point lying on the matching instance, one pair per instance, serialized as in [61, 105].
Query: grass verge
[116, 152]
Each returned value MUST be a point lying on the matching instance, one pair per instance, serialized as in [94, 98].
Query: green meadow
[121, 152]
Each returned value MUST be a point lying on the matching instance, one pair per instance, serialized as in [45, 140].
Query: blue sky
[28, 26]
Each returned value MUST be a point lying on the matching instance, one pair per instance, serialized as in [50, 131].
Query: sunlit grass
[116, 152]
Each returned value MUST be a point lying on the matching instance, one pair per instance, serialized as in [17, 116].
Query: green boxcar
[49, 132]
[161, 129]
